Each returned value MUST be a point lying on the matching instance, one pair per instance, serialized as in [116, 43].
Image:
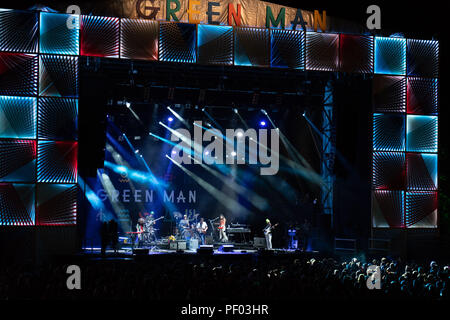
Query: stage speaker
[178, 245]
[209, 240]
[259, 242]
[140, 251]
[206, 249]
[193, 244]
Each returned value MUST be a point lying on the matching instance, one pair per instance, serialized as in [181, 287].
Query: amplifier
[259, 242]
[178, 245]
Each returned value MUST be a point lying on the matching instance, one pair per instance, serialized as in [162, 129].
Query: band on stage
[188, 227]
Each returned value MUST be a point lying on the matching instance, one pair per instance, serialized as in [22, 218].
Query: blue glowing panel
[58, 76]
[139, 39]
[99, 36]
[17, 160]
[59, 33]
[421, 209]
[422, 96]
[356, 53]
[17, 204]
[422, 171]
[251, 47]
[57, 118]
[287, 49]
[177, 42]
[422, 133]
[423, 58]
[388, 132]
[390, 56]
[18, 31]
[18, 74]
[388, 209]
[322, 51]
[215, 44]
[56, 204]
[57, 162]
[388, 93]
[17, 117]
[388, 170]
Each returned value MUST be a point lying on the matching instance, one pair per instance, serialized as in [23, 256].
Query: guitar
[268, 229]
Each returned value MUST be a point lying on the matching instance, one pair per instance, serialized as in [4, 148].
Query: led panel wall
[388, 132]
[17, 160]
[215, 44]
[390, 56]
[388, 170]
[287, 49]
[17, 204]
[422, 171]
[58, 76]
[56, 204]
[139, 39]
[389, 94]
[422, 96]
[18, 74]
[177, 42]
[422, 133]
[251, 47]
[59, 33]
[423, 58]
[18, 31]
[388, 209]
[322, 51]
[18, 117]
[421, 209]
[99, 36]
[57, 161]
[57, 118]
[356, 53]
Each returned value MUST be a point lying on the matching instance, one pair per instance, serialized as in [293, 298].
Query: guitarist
[268, 233]
[202, 227]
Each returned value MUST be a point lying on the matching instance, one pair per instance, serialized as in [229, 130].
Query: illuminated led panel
[17, 160]
[18, 74]
[177, 42]
[422, 171]
[215, 44]
[17, 204]
[388, 93]
[56, 204]
[422, 133]
[57, 162]
[18, 31]
[390, 56]
[17, 117]
[423, 58]
[388, 209]
[388, 132]
[56, 37]
[421, 209]
[139, 39]
[57, 118]
[322, 51]
[251, 47]
[356, 53]
[422, 96]
[388, 170]
[58, 76]
[287, 49]
[99, 36]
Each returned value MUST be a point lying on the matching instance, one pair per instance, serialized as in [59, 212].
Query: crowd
[257, 278]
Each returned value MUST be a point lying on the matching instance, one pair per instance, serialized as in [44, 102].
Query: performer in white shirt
[202, 227]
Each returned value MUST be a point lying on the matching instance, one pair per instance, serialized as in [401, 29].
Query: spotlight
[304, 113]
[174, 152]
[233, 153]
[206, 153]
[262, 123]
[170, 119]
[137, 151]
[239, 134]
[235, 110]
[264, 111]
[127, 104]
